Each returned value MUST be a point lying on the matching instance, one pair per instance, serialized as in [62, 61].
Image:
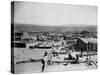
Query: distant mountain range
[62, 28]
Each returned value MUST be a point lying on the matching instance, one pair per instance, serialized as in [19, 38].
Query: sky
[52, 14]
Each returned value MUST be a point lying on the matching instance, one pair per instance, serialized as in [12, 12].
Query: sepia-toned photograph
[53, 37]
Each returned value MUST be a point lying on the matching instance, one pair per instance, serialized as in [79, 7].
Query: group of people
[49, 59]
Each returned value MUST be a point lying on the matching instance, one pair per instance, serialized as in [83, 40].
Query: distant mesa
[62, 28]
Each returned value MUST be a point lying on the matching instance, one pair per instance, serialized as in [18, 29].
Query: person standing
[49, 57]
[43, 64]
[45, 54]
[77, 59]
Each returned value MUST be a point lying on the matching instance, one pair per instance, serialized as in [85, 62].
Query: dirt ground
[24, 54]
